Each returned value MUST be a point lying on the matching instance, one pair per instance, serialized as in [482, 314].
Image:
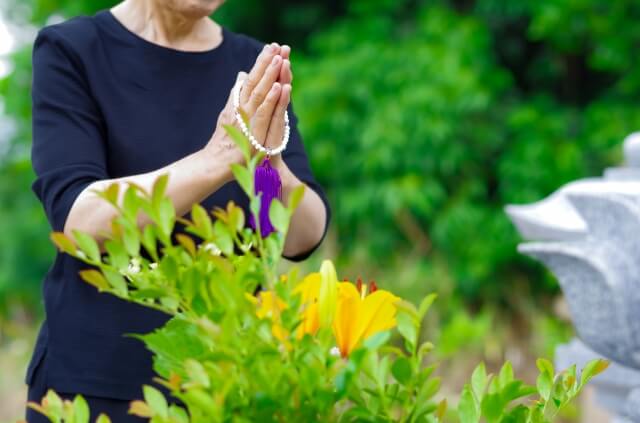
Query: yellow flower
[269, 306]
[359, 316]
[309, 291]
[352, 313]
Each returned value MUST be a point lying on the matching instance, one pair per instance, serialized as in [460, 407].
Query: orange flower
[352, 314]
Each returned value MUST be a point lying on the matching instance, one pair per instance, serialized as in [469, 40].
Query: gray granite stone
[600, 273]
[588, 234]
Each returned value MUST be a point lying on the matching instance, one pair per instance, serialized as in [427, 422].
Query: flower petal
[347, 311]
[377, 313]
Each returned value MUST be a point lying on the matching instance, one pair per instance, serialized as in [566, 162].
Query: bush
[305, 348]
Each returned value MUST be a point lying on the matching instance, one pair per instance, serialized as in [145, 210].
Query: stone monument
[588, 234]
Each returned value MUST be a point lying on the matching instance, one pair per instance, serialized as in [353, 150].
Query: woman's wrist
[216, 163]
[288, 178]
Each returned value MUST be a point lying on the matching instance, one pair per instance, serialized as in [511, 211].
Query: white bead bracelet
[245, 130]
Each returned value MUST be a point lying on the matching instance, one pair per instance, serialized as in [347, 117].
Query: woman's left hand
[276, 126]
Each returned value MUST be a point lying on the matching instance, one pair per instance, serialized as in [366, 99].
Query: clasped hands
[264, 97]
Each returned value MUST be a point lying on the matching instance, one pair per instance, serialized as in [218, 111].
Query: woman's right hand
[260, 98]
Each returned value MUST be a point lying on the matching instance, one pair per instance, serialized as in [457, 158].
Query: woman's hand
[264, 97]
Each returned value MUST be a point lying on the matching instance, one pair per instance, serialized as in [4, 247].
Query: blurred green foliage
[422, 119]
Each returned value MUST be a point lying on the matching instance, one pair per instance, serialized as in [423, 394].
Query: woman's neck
[161, 25]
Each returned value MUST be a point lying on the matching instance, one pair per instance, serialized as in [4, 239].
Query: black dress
[107, 104]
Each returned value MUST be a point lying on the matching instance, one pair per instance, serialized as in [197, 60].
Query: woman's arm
[195, 177]
[308, 222]
[191, 180]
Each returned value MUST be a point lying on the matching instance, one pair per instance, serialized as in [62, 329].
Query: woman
[123, 96]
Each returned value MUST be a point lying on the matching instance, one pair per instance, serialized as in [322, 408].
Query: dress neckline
[118, 28]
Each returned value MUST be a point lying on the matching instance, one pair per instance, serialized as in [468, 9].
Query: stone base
[617, 389]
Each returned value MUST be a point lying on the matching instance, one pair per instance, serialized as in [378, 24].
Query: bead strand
[247, 133]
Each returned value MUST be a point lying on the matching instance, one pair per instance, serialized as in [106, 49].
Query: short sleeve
[68, 151]
[296, 159]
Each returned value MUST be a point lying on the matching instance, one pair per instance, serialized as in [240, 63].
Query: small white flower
[153, 265]
[335, 351]
[212, 248]
[134, 266]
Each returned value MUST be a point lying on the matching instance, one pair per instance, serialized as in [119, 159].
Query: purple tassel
[267, 182]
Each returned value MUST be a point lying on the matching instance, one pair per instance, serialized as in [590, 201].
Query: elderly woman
[126, 95]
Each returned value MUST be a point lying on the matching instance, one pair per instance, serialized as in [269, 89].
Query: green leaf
[103, 418]
[95, 278]
[111, 193]
[63, 243]
[506, 375]
[149, 241]
[187, 243]
[544, 384]
[240, 140]
[202, 400]
[223, 238]
[425, 349]
[279, 216]
[479, 381]
[88, 245]
[545, 365]
[197, 373]
[516, 389]
[425, 304]
[243, 177]
[295, 197]
[468, 410]
[54, 403]
[401, 370]
[156, 401]
[591, 369]
[131, 239]
[130, 203]
[166, 214]
[117, 282]
[254, 206]
[178, 414]
[117, 255]
[408, 329]
[159, 189]
[429, 389]
[492, 407]
[236, 218]
[202, 221]
[519, 414]
[377, 340]
[80, 410]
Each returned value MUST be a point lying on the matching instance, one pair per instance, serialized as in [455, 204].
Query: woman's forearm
[191, 179]
[308, 221]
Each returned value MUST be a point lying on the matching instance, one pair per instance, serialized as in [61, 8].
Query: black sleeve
[68, 151]
[296, 159]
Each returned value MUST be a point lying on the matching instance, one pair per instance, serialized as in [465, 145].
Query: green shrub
[303, 349]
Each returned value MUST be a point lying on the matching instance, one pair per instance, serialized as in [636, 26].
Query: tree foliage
[422, 119]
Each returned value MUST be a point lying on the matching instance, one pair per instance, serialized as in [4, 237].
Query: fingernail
[276, 87]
